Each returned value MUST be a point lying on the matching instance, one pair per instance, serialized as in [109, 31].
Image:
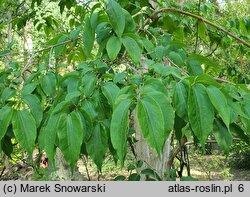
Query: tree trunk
[10, 36]
[149, 156]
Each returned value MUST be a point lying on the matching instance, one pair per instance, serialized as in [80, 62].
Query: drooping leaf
[47, 137]
[35, 106]
[89, 83]
[70, 137]
[61, 107]
[74, 34]
[166, 108]
[180, 101]
[134, 177]
[48, 84]
[28, 88]
[70, 96]
[189, 178]
[151, 121]
[200, 112]
[24, 128]
[202, 31]
[132, 48]
[5, 118]
[154, 84]
[120, 178]
[246, 120]
[113, 47]
[119, 127]
[194, 68]
[176, 58]
[116, 17]
[59, 49]
[7, 94]
[151, 173]
[98, 145]
[179, 124]
[130, 25]
[6, 145]
[88, 36]
[166, 70]
[89, 108]
[222, 135]
[119, 77]
[110, 91]
[238, 131]
[219, 102]
[207, 80]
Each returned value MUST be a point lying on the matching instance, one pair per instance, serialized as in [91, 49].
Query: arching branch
[153, 16]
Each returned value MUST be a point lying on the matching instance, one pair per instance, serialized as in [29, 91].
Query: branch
[202, 19]
[40, 50]
[197, 28]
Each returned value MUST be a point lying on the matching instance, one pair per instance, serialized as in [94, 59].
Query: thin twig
[175, 65]
[202, 19]
[38, 51]
[4, 168]
[86, 167]
[213, 50]
[197, 28]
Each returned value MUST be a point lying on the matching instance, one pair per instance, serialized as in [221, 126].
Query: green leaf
[246, 120]
[219, 102]
[110, 91]
[176, 58]
[180, 100]
[237, 131]
[35, 106]
[151, 173]
[88, 36]
[134, 177]
[202, 31]
[89, 108]
[207, 80]
[166, 70]
[116, 17]
[222, 135]
[89, 84]
[120, 178]
[74, 34]
[189, 178]
[70, 96]
[151, 121]
[28, 88]
[59, 49]
[154, 84]
[166, 108]
[130, 25]
[70, 137]
[5, 117]
[6, 145]
[194, 68]
[24, 128]
[113, 47]
[8, 93]
[47, 137]
[200, 112]
[120, 77]
[119, 127]
[97, 145]
[48, 84]
[132, 48]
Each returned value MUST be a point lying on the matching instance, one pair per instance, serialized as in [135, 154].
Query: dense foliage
[108, 64]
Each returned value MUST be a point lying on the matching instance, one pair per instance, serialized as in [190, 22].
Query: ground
[206, 167]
